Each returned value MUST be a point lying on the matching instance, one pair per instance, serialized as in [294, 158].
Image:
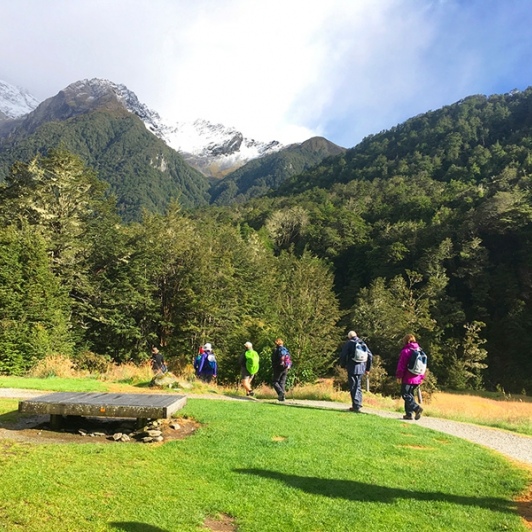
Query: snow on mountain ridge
[15, 101]
[205, 145]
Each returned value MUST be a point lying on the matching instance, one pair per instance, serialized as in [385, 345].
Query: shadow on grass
[131, 526]
[353, 490]
[14, 420]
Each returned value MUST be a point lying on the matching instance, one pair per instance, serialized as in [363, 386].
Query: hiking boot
[281, 398]
[408, 416]
[419, 411]
[250, 394]
[355, 410]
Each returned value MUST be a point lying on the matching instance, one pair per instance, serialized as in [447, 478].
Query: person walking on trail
[281, 363]
[205, 364]
[357, 358]
[157, 361]
[249, 365]
[409, 381]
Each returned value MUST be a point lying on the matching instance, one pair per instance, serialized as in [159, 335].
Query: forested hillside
[141, 170]
[260, 176]
[428, 228]
[425, 228]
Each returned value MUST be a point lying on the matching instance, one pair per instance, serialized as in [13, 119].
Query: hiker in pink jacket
[409, 381]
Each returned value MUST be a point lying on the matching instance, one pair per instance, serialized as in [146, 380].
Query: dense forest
[425, 228]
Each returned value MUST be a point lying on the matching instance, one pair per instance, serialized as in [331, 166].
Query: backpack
[210, 362]
[361, 353]
[252, 361]
[285, 360]
[417, 363]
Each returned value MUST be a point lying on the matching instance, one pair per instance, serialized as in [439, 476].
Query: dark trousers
[355, 386]
[407, 393]
[279, 381]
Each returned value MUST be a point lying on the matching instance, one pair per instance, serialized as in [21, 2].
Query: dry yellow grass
[480, 409]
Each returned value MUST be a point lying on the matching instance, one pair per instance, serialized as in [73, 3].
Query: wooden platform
[116, 405]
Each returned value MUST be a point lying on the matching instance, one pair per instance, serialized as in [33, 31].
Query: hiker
[157, 361]
[281, 363]
[409, 381]
[205, 364]
[356, 358]
[249, 365]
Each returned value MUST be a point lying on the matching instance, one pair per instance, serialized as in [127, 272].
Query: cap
[351, 334]
[249, 345]
[207, 346]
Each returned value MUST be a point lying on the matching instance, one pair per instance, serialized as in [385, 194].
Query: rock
[174, 426]
[166, 380]
[125, 438]
[147, 439]
[117, 436]
[154, 433]
[158, 438]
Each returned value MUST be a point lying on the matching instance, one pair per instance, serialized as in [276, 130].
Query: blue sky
[276, 69]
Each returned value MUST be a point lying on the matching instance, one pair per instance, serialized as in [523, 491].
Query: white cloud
[276, 69]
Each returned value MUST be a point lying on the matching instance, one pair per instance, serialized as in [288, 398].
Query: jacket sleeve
[401, 364]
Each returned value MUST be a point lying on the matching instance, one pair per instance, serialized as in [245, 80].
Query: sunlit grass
[269, 468]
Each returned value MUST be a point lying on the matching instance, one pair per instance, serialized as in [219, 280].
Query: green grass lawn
[270, 468]
[54, 384]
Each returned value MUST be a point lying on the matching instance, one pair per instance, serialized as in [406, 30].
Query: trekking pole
[419, 395]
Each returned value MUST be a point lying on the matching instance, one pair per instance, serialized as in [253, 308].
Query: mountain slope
[92, 119]
[464, 141]
[214, 149]
[14, 101]
[260, 176]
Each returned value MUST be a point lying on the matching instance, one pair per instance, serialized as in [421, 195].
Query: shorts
[246, 374]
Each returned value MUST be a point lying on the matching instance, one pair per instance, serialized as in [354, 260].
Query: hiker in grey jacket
[349, 359]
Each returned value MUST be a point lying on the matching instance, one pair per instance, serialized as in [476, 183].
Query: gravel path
[514, 446]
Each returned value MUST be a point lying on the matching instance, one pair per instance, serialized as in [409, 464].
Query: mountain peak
[15, 101]
[212, 148]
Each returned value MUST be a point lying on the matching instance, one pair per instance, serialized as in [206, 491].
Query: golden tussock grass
[481, 409]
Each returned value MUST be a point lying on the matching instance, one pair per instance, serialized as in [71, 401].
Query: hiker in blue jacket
[205, 364]
[281, 363]
[356, 358]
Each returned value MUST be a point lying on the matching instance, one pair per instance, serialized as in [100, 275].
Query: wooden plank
[143, 406]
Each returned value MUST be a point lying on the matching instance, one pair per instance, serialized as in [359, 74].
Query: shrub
[92, 362]
[53, 366]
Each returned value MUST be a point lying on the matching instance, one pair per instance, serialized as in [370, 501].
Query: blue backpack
[285, 360]
[210, 362]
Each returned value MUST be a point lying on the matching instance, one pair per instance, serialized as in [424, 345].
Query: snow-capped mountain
[15, 102]
[214, 149]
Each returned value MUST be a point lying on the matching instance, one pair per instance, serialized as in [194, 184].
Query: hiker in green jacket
[249, 365]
